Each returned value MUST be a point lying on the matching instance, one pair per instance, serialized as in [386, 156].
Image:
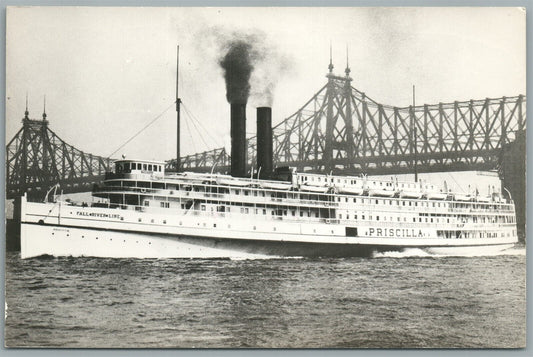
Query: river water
[406, 300]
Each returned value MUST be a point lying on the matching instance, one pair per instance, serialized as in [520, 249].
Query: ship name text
[99, 215]
[395, 232]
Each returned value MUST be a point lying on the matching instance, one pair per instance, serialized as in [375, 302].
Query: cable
[140, 131]
[194, 122]
[457, 183]
[193, 117]
[190, 132]
[200, 134]
[198, 125]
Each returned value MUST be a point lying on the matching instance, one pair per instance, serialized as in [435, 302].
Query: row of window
[474, 234]
[129, 166]
[482, 219]
[315, 213]
[350, 181]
[346, 215]
[346, 199]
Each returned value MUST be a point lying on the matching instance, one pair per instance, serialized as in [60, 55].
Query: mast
[414, 139]
[178, 104]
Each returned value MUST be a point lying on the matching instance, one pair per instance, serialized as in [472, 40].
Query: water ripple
[392, 302]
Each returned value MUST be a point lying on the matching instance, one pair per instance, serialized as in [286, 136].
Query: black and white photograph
[265, 177]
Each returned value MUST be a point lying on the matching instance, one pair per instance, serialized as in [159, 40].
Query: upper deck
[137, 168]
[145, 178]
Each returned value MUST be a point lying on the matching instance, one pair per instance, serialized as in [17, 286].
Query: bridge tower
[37, 159]
[339, 136]
[512, 172]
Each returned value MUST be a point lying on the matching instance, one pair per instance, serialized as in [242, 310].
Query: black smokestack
[238, 139]
[237, 65]
[264, 141]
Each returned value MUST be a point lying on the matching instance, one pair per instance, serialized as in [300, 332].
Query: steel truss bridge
[340, 129]
[37, 159]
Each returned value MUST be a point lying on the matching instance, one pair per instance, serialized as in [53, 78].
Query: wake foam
[406, 253]
[450, 252]
[262, 257]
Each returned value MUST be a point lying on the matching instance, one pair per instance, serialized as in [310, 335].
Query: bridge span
[339, 129]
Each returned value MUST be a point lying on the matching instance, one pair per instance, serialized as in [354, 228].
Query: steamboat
[140, 211]
[144, 213]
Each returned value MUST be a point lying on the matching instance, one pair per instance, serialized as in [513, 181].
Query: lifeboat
[484, 199]
[436, 195]
[229, 181]
[313, 188]
[462, 197]
[351, 190]
[276, 185]
[381, 193]
[410, 194]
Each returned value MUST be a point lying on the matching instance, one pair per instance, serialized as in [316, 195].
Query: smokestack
[238, 140]
[264, 141]
[237, 65]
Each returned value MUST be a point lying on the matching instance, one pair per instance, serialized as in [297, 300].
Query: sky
[108, 72]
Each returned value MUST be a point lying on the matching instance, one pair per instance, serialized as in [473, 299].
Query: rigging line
[200, 123]
[204, 129]
[194, 120]
[190, 133]
[198, 130]
[199, 133]
[457, 183]
[140, 131]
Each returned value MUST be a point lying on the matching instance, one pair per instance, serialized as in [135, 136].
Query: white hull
[62, 230]
[38, 240]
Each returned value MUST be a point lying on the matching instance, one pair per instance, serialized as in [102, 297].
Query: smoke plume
[251, 63]
[238, 65]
